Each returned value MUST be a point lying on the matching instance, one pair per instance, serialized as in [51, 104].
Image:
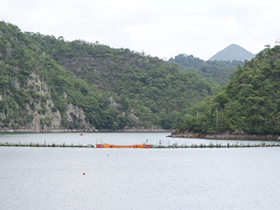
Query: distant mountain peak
[232, 52]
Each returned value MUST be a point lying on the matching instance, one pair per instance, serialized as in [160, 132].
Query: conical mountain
[232, 52]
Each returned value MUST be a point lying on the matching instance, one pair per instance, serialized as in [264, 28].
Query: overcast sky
[162, 28]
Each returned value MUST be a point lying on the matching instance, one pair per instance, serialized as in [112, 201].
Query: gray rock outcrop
[41, 114]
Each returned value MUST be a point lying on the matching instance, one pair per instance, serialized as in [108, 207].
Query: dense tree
[249, 102]
[137, 82]
[147, 91]
[218, 71]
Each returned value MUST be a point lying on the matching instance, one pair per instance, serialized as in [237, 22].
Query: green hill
[248, 103]
[49, 83]
[218, 71]
[232, 52]
[187, 62]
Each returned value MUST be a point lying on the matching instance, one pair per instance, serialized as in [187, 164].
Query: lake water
[217, 178]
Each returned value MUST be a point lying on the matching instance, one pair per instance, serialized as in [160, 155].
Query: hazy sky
[162, 28]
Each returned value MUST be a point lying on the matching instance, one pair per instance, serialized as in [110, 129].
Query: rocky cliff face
[75, 115]
[44, 118]
[40, 113]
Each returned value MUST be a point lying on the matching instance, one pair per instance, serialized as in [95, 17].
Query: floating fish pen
[139, 146]
[123, 146]
[6, 144]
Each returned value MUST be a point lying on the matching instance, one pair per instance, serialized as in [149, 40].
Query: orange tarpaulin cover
[123, 146]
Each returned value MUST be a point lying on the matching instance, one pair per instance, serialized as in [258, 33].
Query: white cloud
[177, 5]
[161, 28]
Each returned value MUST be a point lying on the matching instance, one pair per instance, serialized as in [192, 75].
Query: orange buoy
[84, 173]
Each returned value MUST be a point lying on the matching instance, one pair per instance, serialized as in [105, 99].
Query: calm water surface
[111, 138]
[52, 178]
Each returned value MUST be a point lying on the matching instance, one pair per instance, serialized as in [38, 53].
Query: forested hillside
[187, 62]
[249, 103]
[37, 93]
[218, 71]
[48, 82]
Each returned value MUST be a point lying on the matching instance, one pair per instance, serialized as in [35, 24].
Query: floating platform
[139, 146]
[122, 146]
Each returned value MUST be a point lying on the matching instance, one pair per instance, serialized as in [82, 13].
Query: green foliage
[148, 85]
[3, 105]
[115, 125]
[187, 62]
[218, 71]
[29, 118]
[64, 122]
[249, 102]
[148, 91]
[45, 121]
[4, 81]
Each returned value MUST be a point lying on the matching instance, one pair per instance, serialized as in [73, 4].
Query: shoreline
[82, 130]
[226, 136]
